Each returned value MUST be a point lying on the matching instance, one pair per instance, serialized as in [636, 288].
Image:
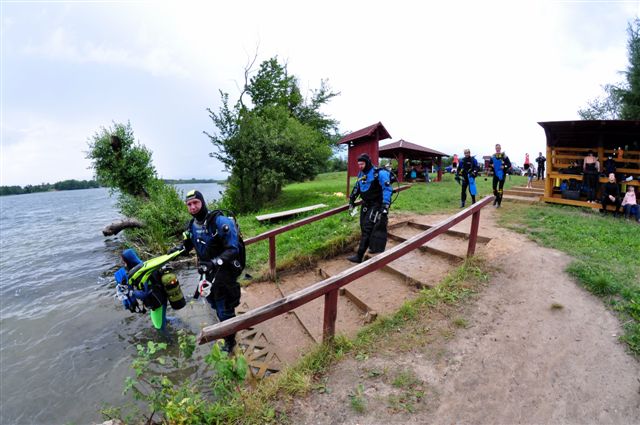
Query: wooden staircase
[525, 195]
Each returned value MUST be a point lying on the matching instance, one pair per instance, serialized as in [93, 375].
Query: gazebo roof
[367, 132]
[409, 149]
[591, 133]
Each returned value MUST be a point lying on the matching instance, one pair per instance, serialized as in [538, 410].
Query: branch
[117, 226]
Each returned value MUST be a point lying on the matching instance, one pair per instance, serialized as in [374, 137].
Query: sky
[445, 75]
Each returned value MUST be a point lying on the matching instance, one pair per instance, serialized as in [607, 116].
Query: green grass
[304, 246]
[606, 252]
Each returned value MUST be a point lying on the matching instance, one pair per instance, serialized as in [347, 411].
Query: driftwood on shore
[117, 226]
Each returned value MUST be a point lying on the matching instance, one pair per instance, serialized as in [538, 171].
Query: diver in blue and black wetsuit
[215, 239]
[500, 164]
[468, 170]
[374, 187]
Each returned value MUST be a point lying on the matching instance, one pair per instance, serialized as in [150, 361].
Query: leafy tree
[620, 101]
[278, 137]
[121, 163]
[126, 168]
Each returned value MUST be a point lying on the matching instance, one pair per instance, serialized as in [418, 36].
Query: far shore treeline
[73, 184]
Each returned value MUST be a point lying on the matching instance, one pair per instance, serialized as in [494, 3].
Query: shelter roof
[411, 149]
[367, 132]
[592, 133]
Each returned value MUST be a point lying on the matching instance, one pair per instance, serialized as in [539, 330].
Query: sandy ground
[531, 348]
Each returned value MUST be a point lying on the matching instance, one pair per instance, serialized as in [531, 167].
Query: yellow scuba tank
[172, 288]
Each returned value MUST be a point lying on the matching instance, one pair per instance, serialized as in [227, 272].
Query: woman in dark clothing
[611, 195]
[591, 168]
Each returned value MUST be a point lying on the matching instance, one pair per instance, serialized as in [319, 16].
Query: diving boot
[473, 199]
[355, 258]
[229, 345]
[461, 204]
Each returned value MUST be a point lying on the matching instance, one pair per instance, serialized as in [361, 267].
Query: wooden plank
[288, 213]
[482, 239]
[303, 296]
[330, 315]
[575, 203]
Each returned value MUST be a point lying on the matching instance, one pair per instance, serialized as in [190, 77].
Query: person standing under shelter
[373, 185]
[500, 164]
[468, 170]
[454, 163]
[591, 169]
[541, 160]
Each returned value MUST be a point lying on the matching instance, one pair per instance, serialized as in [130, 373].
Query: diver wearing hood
[374, 187]
[215, 239]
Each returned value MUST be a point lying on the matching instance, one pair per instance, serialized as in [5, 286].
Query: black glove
[175, 248]
[385, 209]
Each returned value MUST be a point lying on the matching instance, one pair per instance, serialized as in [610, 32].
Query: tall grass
[606, 251]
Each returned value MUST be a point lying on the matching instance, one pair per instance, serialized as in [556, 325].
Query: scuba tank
[172, 288]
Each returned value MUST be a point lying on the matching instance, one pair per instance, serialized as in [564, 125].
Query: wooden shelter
[402, 150]
[568, 143]
[365, 140]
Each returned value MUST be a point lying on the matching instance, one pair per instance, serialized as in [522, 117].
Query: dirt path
[532, 348]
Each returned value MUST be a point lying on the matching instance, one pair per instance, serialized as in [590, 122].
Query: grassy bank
[606, 252]
[305, 245]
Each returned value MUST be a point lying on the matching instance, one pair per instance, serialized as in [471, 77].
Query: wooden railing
[271, 234]
[329, 287]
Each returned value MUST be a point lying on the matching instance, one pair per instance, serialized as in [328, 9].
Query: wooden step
[524, 192]
[524, 199]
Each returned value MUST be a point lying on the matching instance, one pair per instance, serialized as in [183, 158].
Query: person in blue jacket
[374, 187]
[215, 239]
[500, 164]
[468, 170]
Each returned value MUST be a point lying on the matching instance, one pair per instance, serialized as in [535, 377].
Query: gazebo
[365, 140]
[402, 150]
[568, 143]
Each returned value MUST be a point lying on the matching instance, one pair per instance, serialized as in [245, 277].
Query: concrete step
[524, 192]
[524, 199]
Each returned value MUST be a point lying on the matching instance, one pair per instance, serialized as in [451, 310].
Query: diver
[374, 187]
[501, 165]
[468, 170]
[220, 254]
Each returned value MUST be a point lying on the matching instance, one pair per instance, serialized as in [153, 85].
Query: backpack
[240, 263]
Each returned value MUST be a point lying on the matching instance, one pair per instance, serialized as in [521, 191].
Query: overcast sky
[446, 75]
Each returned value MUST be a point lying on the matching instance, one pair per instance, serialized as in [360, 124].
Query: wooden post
[473, 233]
[400, 167]
[272, 257]
[548, 184]
[439, 162]
[330, 315]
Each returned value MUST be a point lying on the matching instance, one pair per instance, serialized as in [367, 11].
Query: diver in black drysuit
[468, 170]
[374, 187]
[501, 164]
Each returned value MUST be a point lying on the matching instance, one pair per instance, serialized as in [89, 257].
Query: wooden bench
[284, 214]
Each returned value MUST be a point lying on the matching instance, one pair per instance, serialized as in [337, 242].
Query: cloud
[62, 45]
[43, 152]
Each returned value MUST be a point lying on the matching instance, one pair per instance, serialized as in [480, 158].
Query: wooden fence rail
[329, 287]
[271, 234]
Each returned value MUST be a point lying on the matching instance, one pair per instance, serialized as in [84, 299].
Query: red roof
[387, 151]
[375, 129]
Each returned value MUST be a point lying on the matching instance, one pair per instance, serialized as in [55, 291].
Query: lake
[65, 342]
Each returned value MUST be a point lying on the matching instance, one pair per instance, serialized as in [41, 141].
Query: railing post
[272, 257]
[330, 315]
[473, 233]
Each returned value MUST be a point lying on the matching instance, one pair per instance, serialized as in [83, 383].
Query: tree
[277, 137]
[126, 168]
[620, 101]
[121, 163]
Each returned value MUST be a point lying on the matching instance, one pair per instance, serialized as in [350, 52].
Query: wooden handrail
[311, 219]
[332, 284]
[271, 234]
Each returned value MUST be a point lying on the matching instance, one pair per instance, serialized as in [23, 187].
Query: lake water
[65, 342]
